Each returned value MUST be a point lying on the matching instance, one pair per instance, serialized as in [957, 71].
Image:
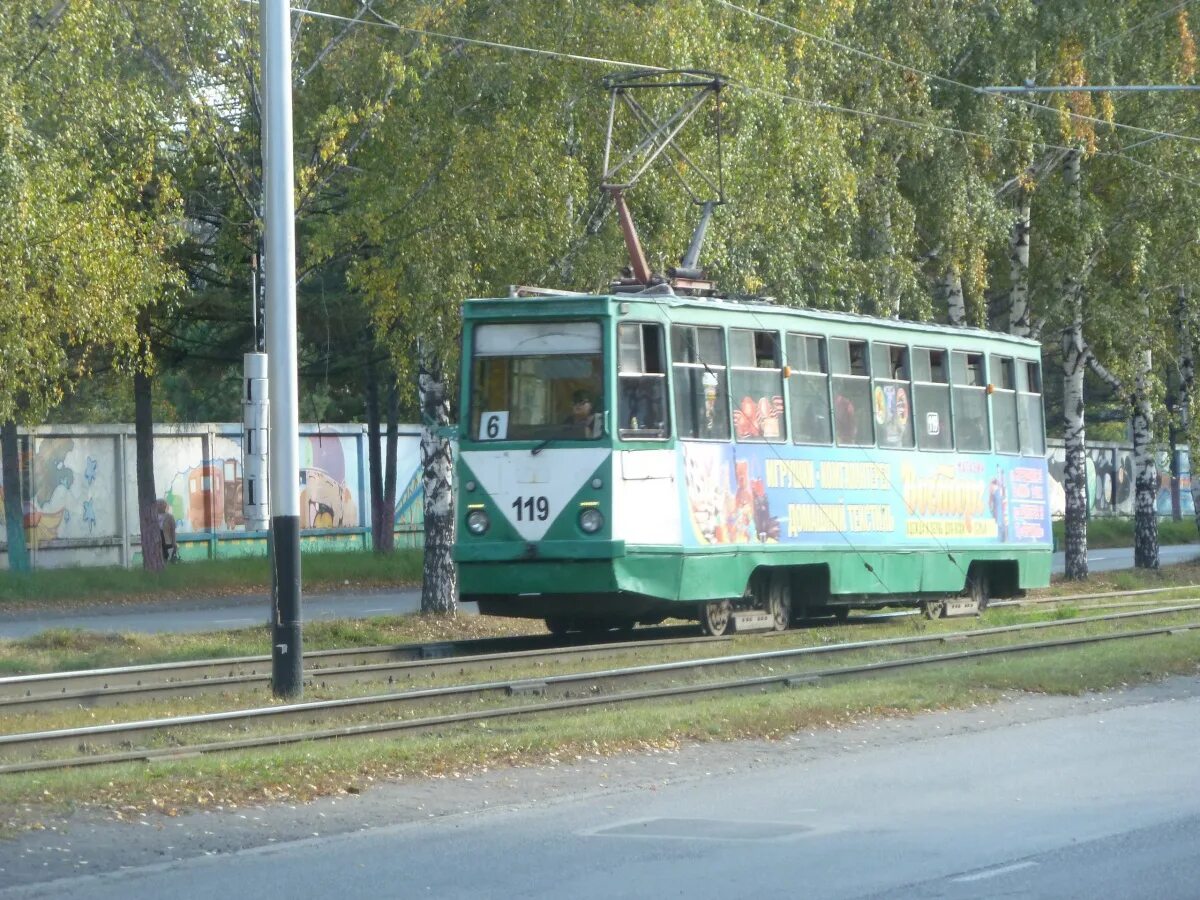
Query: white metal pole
[279, 213]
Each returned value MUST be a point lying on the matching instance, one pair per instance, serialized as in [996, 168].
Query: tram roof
[571, 304]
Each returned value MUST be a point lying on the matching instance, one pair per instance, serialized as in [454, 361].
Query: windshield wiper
[540, 446]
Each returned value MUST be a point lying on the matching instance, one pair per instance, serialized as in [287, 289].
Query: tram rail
[144, 740]
[400, 663]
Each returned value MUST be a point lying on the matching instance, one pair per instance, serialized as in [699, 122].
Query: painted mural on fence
[73, 491]
[329, 482]
[77, 483]
[1110, 481]
[766, 494]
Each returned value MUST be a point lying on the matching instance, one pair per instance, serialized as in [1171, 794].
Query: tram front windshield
[537, 381]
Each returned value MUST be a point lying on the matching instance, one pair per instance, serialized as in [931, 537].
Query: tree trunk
[14, 507]
[1075, 470]
[1018, 303]
[956, 307]
[1173, 457]
[1075, 357]
[147, 499]
[439, 592]
[889, 302]
[1145, 516]
[374, 456]
[1179, 403]
[388, 534]
[1187, 383]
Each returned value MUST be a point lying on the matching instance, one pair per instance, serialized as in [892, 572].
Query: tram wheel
[716, 618]
[934, 609]
[978, 588]
[779, 603]
[558, 626]
[841, 613]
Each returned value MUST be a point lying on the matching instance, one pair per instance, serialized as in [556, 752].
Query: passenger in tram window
[637, 412]
[845, 419]
[973, 433]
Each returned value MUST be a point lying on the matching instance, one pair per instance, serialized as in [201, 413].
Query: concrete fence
[80, 503]
[1110, 479]
[80, 492]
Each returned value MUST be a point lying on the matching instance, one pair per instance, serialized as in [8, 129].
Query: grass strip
[1104, 533]
[203, 578]
[66, 649]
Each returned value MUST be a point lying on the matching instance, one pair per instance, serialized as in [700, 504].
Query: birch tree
[1145, 528]
[1074, 360]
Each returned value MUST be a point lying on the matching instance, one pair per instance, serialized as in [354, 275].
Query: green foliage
[430, 169]
[87, 213]
[1114, 532]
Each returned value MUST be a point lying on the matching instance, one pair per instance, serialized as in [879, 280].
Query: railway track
[394, 664]
[404, 664]
[398, 712]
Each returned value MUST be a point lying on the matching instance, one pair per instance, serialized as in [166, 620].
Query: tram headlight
[591, 520]
[478, 521]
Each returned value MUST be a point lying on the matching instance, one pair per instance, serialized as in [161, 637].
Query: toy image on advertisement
[758, 419]
[725, 510]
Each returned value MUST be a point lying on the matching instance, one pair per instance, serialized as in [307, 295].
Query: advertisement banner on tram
[768, 493]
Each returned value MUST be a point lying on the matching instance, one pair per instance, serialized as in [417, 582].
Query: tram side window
[931, 399]
[700, 382]
[970, 401]
[891, 399]
[1004, 404]
[641, 382]
[756, 382]
[809, 389]
[1029, 408]
[851, 392]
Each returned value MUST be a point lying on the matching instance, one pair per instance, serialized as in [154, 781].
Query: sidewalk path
[211, 613]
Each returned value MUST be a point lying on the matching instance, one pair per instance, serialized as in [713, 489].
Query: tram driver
[584, 421]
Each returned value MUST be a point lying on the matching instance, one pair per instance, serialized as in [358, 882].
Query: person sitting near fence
[166, 526]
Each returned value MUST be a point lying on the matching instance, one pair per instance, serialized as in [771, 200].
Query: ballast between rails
[591, 685]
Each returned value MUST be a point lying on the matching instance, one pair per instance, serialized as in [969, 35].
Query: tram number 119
[530, 508]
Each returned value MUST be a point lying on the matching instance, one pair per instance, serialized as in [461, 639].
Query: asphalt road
[1055, 797]
[1122, 557]
[245, 611]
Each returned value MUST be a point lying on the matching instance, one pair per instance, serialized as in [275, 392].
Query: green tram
[633, 457]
